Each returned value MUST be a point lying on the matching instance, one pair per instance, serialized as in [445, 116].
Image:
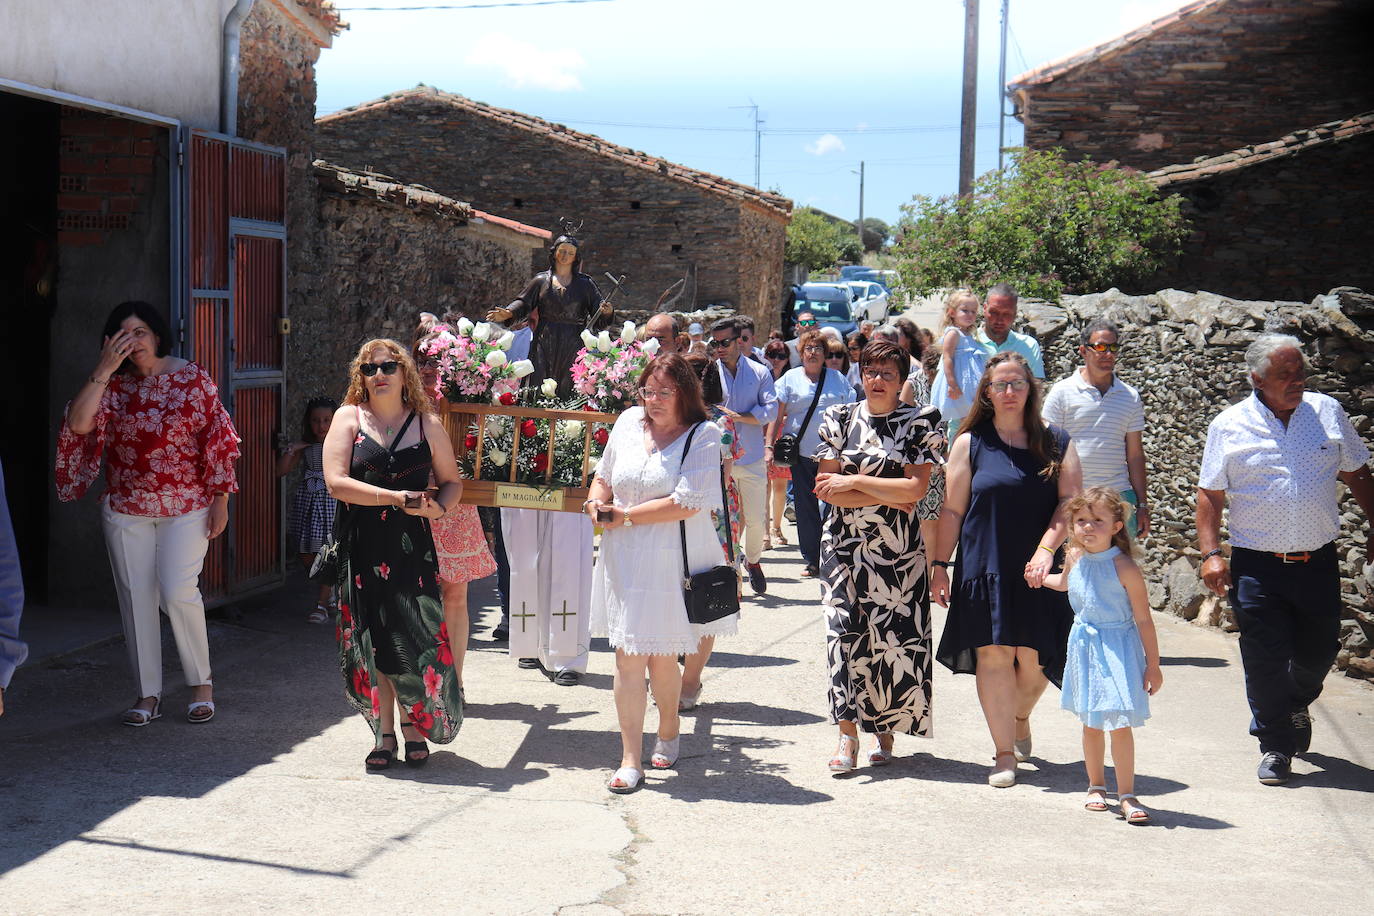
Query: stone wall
[644, 224]
[1235, 73]
[1246, 223]
[1185, 353]
[380, 260]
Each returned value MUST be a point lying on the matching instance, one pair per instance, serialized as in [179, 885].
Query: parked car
[885, 278]
[871, 301]
[831, 303]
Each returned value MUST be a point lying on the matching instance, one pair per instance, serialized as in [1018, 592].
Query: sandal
[381, 757]
[207, 705]
[415, 747]
[625, 780]
[319, 615]
[1132, 811]
[1002, 778]
[1097, 798]
[140, 717]
[665, 753]
[842, 762]
[1023, 745]
[687, 700]
[777, 535]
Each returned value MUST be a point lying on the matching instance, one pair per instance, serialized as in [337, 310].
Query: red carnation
[541, 461]
[508, 398]
[528, 428]
[601, 435]
[470, 441]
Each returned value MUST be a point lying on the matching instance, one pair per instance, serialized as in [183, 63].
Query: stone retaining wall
[1185, 353]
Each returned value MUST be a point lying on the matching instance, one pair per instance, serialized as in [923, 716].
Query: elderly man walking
[996, 335]
[1277, 456]
[1105, 418]
[752, 403]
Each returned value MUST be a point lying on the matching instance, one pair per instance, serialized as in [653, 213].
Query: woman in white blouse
[662, 465]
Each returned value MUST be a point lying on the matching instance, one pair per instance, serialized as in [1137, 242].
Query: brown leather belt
[1294, 557]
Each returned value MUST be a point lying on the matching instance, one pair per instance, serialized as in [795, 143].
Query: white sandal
[665, 753]
[686, 702]
[1000, 778]
[200, 704]
[879, 757]
[1094, 801]
[141, 717]
[629, 779]
[842, 762]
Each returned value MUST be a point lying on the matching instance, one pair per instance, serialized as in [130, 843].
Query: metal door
[236, 307]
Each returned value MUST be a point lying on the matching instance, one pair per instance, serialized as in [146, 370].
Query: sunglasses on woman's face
[835, 354]
[370, 369]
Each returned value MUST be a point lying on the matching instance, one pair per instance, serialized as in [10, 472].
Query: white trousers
[157, 562]
[752, 482]
[550, 556]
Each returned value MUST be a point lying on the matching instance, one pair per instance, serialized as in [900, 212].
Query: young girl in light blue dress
[1112, 664]
[962, 360]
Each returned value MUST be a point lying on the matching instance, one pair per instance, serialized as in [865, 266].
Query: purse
[712, 594]
[787, 449]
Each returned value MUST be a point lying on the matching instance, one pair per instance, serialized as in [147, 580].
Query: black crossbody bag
[712, 594]
[787, 449]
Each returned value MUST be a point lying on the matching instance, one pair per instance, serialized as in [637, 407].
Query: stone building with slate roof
[652, 220]
[1258, 112]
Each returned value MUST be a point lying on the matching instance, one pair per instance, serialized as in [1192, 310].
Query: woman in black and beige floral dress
[875, 462]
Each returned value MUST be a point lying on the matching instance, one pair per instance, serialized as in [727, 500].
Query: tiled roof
[775, 204]
[318, 18]
[1055, 69]
[1209, 166]
[514, 226]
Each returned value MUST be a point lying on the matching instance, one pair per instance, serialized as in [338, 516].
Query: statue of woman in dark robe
[565, 302]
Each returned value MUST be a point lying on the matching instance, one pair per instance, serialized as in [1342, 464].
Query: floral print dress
[729, 447]
[873, 581]
[391, 615]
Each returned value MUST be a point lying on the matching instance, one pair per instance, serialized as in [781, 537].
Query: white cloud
[862, 125]
[825, 143]
[525, 65]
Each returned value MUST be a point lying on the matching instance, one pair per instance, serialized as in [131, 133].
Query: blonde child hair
[1117, 510]
[952, 303]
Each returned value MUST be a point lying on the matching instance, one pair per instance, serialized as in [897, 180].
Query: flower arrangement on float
[473, 365]
[606, 370]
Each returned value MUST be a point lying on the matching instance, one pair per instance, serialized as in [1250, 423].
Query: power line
[457, 6]
[782, 131]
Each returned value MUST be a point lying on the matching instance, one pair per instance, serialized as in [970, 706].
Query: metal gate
[235, 326]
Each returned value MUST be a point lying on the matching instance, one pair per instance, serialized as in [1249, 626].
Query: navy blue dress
[1010, 506]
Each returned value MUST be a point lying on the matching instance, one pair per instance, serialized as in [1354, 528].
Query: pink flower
[384, 571]
[432, 682]
[357, 580]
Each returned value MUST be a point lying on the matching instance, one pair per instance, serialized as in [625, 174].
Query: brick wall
[105, 166]
[761, 242]
[1237, 73]
[1285, 229]
[639, 223]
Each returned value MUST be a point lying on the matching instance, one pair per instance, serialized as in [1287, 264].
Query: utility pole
[758, 139]
[1002, 89]
[861, 208]
[969, 114]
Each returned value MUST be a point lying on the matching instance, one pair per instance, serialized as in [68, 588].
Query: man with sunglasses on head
[752, 403]
[1105, 418]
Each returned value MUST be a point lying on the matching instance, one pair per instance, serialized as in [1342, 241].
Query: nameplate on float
[518, 496]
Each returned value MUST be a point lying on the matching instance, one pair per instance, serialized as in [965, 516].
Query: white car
[870, 300]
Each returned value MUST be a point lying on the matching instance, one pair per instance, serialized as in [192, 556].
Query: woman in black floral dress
[393, 642]
[875, 462]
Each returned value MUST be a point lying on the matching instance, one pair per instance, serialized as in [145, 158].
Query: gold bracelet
[95, 381]
[1050, 549]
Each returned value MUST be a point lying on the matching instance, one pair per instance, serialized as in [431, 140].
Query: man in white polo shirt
[1105, 418]
[996, 335]
[1277, 456]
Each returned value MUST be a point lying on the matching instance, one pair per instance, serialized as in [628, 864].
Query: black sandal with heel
[381, 757]
[415, 747]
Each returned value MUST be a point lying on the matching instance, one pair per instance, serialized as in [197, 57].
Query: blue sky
[836, 83]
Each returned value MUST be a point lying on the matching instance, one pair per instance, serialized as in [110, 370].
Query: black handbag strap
[682, 523]
[816, 399]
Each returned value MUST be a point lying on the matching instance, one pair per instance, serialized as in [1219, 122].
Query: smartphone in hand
[604, 515]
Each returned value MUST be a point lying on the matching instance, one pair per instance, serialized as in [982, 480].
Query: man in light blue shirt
[751, 402]
[996, 335]
[12, 651]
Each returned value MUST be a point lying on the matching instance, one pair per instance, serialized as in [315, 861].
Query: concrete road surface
[268, 809]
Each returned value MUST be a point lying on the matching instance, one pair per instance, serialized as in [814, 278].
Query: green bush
[819, 243]
[1045, 225]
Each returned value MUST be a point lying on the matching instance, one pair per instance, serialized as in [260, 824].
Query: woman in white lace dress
[661, 466]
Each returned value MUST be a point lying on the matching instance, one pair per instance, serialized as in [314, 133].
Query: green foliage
[1045, 225]
[876, 234]
[818, 243]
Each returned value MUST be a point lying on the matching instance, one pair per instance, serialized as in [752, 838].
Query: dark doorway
[28, 262]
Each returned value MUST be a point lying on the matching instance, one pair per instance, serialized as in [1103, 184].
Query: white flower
[481, 331]
[549, 388]
[603, 342]
[465, 327]
[521, 367]
[494, 423]
[570, 429]
[505, 340]
[588, 340]
[651, 346]
[497, 457]
[496, 359]
[627, 333]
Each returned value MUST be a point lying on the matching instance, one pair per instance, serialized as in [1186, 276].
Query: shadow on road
[1194, 661]
[1335, 773]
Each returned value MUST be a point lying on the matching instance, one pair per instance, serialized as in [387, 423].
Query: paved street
[268, 807]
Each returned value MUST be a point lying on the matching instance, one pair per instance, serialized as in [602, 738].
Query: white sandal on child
[665, 753]
[628, 778]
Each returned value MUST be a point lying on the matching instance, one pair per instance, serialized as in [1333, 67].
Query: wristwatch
[1214, 552]
[628, 523]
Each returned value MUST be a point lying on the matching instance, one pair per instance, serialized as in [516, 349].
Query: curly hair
[1040, 440]
[691, 408]
[952, 304]
[413, 394]
[1117, 510]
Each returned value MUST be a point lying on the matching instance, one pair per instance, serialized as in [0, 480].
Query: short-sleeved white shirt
[1098, 424]
[1281, 482]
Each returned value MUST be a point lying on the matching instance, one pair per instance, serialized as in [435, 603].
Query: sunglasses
[1103, 347]
[721, 343]
[835, 354]
[370, 369]
[814, 348]
[807, 322]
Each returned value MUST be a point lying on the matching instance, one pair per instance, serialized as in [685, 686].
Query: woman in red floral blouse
[169, 449]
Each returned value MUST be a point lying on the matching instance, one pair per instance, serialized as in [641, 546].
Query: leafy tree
[876, 234]
[1045, 225]
[817, 242]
